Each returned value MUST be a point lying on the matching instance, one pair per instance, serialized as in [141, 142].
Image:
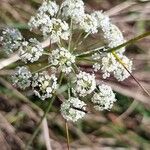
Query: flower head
[22, 77]
[103, 21]
[120, 73]
[114, 37]
[73, 109]
[44, 14]
[49, 7]
[84, 84]
[89, 24]
[104, 99]
[59, 30]
[30, 51]
[62, 59]
[44, 85]
[10, 39]
[73, 9]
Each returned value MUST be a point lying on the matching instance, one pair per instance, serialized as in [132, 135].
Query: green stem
[88, 53]
[70, 38]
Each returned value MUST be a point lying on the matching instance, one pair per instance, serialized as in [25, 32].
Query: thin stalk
[69, 90]
[67, 133]
[136, 80]
[41, 69]
[131, 41]
[77, 41]
[88, 53]
[39, 124]
[70, 38]
[78, 44]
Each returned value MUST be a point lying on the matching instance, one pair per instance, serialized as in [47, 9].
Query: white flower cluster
[84, 84]
[10, 39]
[103, 21]
[30, 51]
[44, 85]
[112, 34]
[22, 77]
[104, 99]
[120, 73]
[73, 109]
[89, 24]
[59, 24]
[46, 21]
[73, 9]
[47, 10]
[109, 65]
[62, 59]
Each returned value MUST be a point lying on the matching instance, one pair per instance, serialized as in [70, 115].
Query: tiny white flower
[103, 21]
[73, 9]
[10, 39]
[114, 37]
[30, 51]
[104, 99]
[62, 59]
[44, 85]
[120, 73]
[22, 77]
[84, 84]
[73, 109]
[89, 24]
[49, 7]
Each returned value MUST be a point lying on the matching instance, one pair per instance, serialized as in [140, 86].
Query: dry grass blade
[7, 62]
[46, 134]
[9, 129]
[67, 133]
[19, 95]
[130, 93]
[128, 111]
[124, 5]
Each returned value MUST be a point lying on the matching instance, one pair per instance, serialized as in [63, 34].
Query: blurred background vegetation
[126, 126]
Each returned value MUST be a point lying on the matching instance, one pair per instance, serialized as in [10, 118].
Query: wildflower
[59, 30]
[89, 24]
[10, 39]
[22, 77]
[49, 7]
[73, 9]
[103, 21]
[114, 37]
[62, 59]
[44, 85]
[104, 99]
[73, 109]
[84, 84]
[44, 14]
[108, 64]
[30, 51]
[120, 73]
